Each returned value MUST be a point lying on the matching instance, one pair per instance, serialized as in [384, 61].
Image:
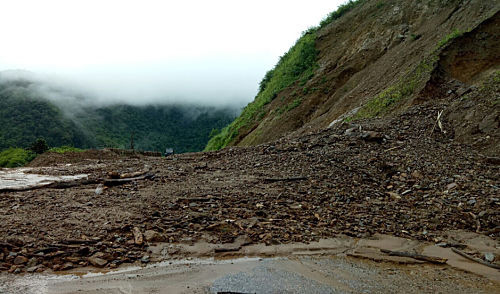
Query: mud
[326, 266]
[397, 176]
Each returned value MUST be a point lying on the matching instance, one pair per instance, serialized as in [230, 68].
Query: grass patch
[406, 86]
[294, 104]
[402, 89]
[448, 38]
[64, 149]
[343, 9]
[16, 157]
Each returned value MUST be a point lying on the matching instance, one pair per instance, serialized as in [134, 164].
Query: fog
[211, 53]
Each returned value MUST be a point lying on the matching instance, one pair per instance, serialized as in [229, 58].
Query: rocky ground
[402, 176]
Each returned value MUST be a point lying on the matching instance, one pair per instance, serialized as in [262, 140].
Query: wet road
[254, 275]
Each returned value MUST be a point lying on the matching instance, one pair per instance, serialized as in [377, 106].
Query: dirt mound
[53, 158]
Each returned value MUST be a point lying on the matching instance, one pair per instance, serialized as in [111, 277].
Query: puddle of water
[18, 179]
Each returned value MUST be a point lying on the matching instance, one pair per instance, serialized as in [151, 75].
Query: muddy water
[306, 274]
[21, 179]
[341, 265]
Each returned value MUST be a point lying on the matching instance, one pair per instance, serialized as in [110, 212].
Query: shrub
[39, 146]
[343, 9]
[64, 149]
[16, 157]
[453, 35]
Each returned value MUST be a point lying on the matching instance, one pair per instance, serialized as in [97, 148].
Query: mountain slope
[24, 117]
[26, 114]
[376, 58]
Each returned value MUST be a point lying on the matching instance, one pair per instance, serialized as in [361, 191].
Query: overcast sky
[214, 52]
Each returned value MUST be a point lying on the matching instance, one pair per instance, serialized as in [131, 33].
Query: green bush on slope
[298, 63]
[64, 149]
[15, 157]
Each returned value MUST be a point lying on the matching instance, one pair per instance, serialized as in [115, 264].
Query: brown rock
[372, 136]
[96, 261]
[138, 239]
[34, 268]
[153, 236]
[73, 259]
[56, 267]
[67, 266]
[394, 196]
[12, 268]
[5, 266]
[32, 262]
[20, 260]
[417, 175]
[243, 240]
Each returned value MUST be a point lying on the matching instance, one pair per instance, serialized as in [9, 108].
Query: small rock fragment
[451, 186]
[145, 259]
[138, 238]
[34, 268]
[20, 260]
[417, 175]
[32, 262]
[489, 257]
[394, 196]
[98, 190]
[96, 261]
[153, 236]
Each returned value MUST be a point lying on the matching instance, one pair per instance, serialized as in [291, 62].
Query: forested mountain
[26, 114]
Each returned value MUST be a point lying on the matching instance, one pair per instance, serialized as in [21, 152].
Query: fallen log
[133, 175]
[52, 185]
[78, 241]
[291, 179]
[475, 259]
[431, 259]
[115, 182]
[65, 185]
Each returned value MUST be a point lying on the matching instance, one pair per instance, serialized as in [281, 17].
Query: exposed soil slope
[384, 56]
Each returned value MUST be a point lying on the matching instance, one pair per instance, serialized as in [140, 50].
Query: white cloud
[151, 50]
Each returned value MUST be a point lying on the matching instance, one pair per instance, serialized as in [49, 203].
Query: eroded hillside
[377, 58]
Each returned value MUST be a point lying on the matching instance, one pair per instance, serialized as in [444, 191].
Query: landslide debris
[400, 176]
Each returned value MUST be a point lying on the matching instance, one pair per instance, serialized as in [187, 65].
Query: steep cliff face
[380, 57]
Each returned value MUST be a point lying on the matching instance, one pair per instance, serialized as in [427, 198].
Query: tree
[39, 146]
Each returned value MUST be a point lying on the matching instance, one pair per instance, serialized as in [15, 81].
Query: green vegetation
[183, 128]
[402, 89]
[64, 149]
[39, 146]
[15, 157]
[343, 9]
[25, 117]
[453, 35]
[406, 86]
[298, 63]
[294, 104]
